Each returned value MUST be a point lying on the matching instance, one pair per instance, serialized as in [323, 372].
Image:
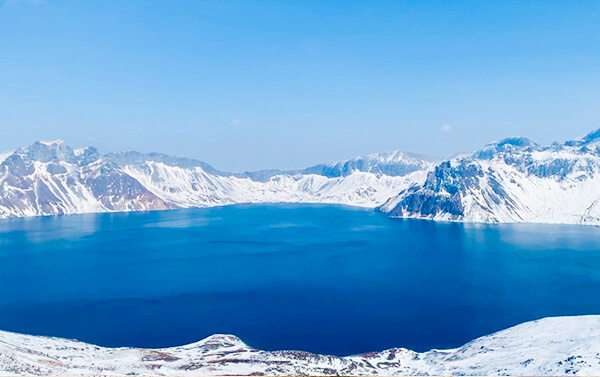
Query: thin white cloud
[235, 122]
[446, 128]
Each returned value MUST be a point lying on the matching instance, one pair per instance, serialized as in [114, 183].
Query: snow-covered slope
[513, 180]
[550, 346]
[4, 155]
[388, 163]
[49, 178]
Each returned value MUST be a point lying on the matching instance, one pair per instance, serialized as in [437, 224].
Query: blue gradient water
[328, 279]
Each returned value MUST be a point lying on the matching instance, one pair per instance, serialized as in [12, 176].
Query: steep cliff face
[50, 178]
[513, 180]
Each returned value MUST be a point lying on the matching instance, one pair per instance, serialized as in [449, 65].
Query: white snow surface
[558, 184]
[398, 157]
[512, 180]
[51, 142]
[48, 178]
[552, 346]
[183, 187]
[5, 155]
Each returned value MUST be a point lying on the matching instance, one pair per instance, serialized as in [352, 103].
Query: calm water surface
[328, 279]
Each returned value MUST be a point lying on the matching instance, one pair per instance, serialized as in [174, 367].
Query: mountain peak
[592, 137]
[57, 150]
[516, 142]
[510, 144]
[46, 151]
[396, 163]
[52, 142]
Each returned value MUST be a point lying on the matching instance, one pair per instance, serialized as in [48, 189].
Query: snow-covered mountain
[512, 180]
[49, 178]
[554, 346]
[389, 163]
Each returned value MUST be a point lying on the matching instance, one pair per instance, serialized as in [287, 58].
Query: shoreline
[548, 346]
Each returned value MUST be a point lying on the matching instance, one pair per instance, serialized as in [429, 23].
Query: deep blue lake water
[322, 278]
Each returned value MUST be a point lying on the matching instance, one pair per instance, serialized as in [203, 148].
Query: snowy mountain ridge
[511, 180]
[50, 178]
[551, 346]
[389, 163]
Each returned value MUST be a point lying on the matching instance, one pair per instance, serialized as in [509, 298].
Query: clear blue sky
[279, 84]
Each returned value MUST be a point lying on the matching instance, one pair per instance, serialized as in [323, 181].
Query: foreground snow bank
[550, 346]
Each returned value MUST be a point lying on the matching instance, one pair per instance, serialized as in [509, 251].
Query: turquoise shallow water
[322, 278]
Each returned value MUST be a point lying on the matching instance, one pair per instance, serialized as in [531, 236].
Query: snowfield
[550, 346]
[508, 181]
[511, 181]
[50, 178]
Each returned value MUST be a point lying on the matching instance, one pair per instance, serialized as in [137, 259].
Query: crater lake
[320, 278]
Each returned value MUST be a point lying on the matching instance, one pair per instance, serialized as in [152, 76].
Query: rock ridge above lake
[550, 346]
[508, 181]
